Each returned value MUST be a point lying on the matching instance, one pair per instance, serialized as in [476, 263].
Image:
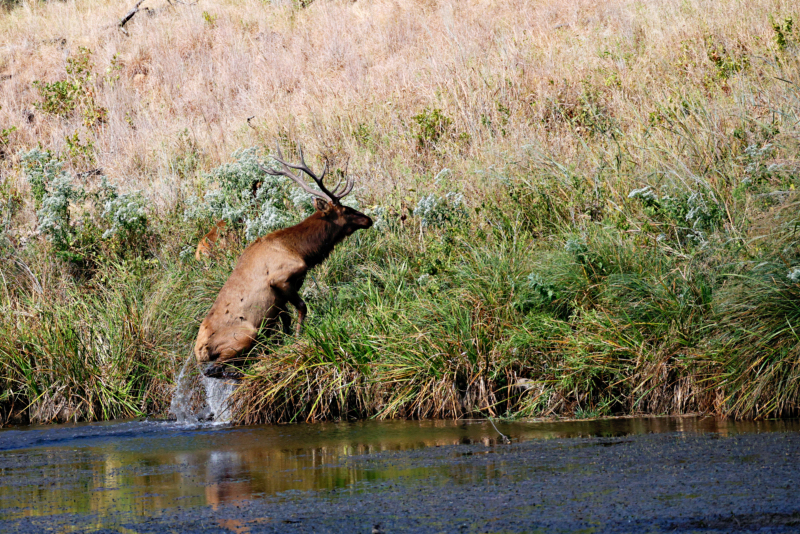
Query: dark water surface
[150, 476]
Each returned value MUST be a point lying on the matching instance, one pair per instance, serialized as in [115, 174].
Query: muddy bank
[454, 478]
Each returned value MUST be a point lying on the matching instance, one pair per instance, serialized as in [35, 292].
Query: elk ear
[321, 205]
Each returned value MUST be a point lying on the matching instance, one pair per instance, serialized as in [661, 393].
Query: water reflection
[145, 467]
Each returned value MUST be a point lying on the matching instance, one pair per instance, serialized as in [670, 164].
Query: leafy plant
[210, 19]
[71, 218]
[432, 125]
[783, 32]
[41, 168]
[81, 153]
[435, 211]
[725, 62]
[5, 133]
[126, 217]
[246, 197]
[692, 213]
[75, 93]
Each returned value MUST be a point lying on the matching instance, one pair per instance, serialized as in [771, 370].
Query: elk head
[327, 202]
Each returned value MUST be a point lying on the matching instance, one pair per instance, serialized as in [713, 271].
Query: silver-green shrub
[247, 197]
[54, 216]
[435, 211]
[125, 213]
[695, 212]
[106, 214]
[41, 168]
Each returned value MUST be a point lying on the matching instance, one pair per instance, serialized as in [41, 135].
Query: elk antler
[333, 196]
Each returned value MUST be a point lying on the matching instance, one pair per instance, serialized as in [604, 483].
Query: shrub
[107, 219]
[689, 214]
[76, 93]
[432, 126]
[436, 212]
[40, 169]
[248, 198]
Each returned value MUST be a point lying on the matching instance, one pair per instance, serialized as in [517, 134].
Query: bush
[247, 197]
[72, 219]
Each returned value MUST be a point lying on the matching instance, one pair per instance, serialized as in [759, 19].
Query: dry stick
[505, 438]
[129, 16]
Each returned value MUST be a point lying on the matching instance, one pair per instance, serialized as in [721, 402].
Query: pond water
[144, 467]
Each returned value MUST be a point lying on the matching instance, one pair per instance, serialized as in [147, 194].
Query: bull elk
[271, 271]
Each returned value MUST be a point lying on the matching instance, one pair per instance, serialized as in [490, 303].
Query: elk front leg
[300, 306]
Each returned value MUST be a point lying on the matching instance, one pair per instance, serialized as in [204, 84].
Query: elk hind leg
[279, 319]
[289, 292]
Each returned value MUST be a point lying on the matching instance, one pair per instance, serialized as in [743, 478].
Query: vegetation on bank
[579, 211]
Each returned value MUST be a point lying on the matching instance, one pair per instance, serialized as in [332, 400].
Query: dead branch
[129, 16]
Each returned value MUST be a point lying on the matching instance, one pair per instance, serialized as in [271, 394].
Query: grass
[582, 209]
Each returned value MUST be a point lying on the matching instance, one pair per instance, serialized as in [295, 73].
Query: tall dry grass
[347, 78]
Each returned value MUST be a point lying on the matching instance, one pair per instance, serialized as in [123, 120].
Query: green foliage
[503, 116]
[432, 125]
[783, 32]
[71, 217]
[537, 293]
[41, 168]
[60, 97]
[55, 220]
[434, 211]
[364, 136]
[126, 217]
[583, 107]
[5, 134]
[111, 76]
[81, 153]
[76, 93]
[725, 62]
[210, 19]
[689, 214]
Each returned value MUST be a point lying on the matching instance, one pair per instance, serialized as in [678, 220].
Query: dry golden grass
[347, 78]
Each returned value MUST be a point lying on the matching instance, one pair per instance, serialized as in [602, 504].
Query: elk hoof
[214, 370]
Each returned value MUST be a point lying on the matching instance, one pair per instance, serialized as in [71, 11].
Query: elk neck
[313, 239]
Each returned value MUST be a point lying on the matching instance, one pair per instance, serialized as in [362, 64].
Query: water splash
[180, 406]
[198, 398]
[218, 394]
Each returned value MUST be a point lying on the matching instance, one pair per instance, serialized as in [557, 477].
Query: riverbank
[580, 209]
